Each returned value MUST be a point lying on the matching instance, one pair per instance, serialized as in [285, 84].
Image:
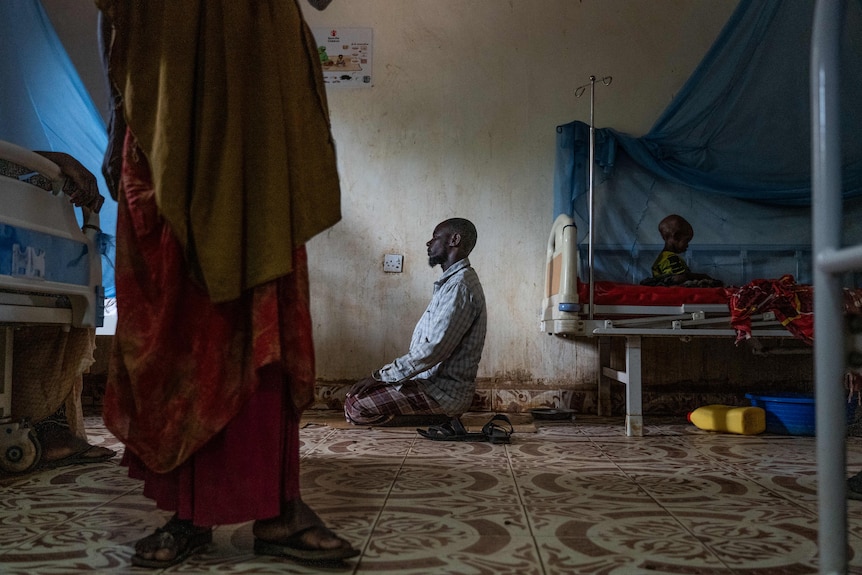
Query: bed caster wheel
[20, 449]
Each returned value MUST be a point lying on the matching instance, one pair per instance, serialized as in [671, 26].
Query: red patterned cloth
[792, 303]
[182, 367]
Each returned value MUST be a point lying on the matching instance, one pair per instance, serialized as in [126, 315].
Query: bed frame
[566, 314]
[50, 270]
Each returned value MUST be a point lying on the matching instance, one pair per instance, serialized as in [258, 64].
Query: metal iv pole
[579, 91]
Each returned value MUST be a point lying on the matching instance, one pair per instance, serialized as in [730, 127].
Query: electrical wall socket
[392, 263]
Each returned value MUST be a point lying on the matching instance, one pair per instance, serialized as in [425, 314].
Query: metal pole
[829, 361]
[590, 196]
[578, 93]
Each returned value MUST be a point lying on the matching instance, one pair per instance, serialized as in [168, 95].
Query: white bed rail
[560, 306]
[34, 296]
[34, 208]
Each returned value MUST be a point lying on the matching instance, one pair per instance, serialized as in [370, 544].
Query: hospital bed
[50, 274]
[568, 311]
[572, 308]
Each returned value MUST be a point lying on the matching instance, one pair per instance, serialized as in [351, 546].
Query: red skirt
[242, 474]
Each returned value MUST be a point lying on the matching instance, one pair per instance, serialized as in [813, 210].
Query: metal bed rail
[829, 261]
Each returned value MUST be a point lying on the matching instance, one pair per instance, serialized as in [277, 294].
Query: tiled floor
[561, 499]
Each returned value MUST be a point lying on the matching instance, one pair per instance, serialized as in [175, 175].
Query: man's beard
[435, 261]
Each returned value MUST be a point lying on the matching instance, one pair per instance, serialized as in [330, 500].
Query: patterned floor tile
[425, 539]
[366, 479]
[702, 487]
[457, 452]
[800, 488]
[635, 548]
[550, 451]
[434, 480]
[663, 452]
[763, 453]
[578, 497]
[777, 540]
[100, 536]
[342, 445]
[597, 487]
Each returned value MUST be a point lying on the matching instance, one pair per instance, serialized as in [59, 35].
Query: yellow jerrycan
[730, 419]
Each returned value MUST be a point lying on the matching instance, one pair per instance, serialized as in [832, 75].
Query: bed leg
[634, 401]
[603, 391]
[6, 335]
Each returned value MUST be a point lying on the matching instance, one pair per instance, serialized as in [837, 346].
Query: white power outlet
[392, 263]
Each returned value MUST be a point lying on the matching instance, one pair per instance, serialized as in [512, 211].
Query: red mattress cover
[613, 293]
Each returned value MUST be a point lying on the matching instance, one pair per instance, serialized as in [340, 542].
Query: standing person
[437, 376]
[226, 168]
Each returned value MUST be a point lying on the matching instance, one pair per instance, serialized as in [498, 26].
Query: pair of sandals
[182, 539]
[498, 430]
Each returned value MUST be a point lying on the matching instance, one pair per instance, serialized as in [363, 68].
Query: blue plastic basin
[790, 413]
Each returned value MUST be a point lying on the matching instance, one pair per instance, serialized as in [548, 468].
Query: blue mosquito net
[731, 154]
[44, 105]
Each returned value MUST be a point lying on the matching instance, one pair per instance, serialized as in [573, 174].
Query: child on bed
[669, 269]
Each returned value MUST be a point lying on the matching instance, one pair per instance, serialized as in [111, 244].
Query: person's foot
[171, 544]
[298, 533]
[61, 447]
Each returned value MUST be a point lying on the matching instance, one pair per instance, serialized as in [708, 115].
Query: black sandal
[452, 431]
[177, 534]
[294, 548]
[499, 429]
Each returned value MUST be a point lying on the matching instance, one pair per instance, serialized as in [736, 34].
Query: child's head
[676, 233]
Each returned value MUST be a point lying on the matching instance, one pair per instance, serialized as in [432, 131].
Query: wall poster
[345, 54]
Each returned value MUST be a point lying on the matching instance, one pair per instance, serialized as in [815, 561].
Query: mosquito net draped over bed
[731, 154]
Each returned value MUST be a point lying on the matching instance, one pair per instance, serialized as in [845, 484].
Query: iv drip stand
[578, 93]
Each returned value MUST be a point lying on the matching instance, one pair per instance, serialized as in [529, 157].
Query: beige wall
[460, 121]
